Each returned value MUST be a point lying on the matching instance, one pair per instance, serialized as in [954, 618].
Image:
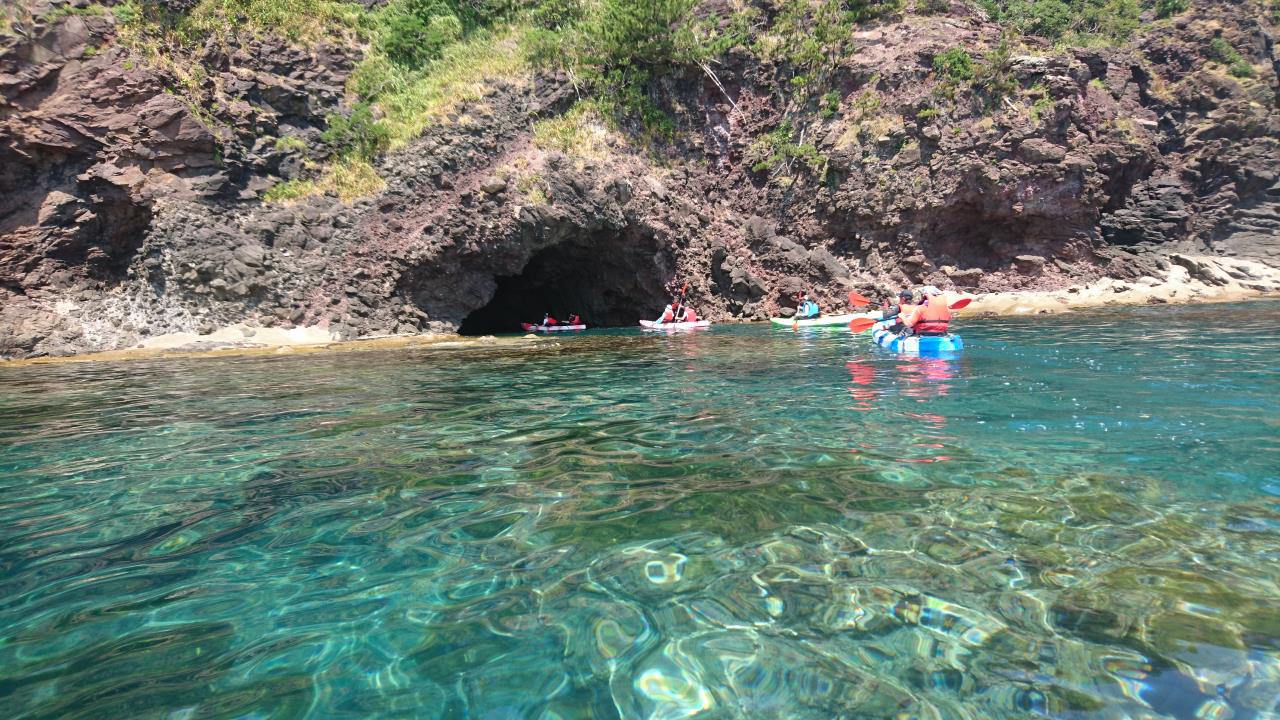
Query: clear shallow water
[1078, 517]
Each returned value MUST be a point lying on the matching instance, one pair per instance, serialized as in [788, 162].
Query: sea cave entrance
[610, 280]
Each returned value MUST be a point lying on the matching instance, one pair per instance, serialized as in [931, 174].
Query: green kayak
[823, 320]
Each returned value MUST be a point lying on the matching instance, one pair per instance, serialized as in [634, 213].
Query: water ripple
[1074, 519]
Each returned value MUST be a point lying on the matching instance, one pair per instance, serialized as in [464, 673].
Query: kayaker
[687, 315]
[900, 311]
[574, 319]
[808, 309]
[547, 320]
[932, 317]
[668, 312]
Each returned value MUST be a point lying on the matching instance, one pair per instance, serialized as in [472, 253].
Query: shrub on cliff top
[556, 14]
[412, 38]
[358, 134]
[954, 65]
[1070, 20]
[615, 50]
[994, 73]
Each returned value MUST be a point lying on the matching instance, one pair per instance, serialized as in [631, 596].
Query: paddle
[675, 317]
[857, 325]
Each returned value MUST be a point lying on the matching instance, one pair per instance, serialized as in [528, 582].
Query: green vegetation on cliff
[420, 59]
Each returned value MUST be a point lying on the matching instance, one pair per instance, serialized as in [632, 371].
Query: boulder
[493, 185]
[966, 278]
[1037, 151]
[1029, 264]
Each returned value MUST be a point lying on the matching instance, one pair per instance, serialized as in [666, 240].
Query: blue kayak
[915, 345]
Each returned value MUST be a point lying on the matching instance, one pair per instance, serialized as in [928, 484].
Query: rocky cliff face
[128, 210]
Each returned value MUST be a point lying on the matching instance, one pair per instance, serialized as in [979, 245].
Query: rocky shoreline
[1189, 280]
[1215, 281]
[134, 215]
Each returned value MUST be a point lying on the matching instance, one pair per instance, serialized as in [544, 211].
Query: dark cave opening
[608, 279]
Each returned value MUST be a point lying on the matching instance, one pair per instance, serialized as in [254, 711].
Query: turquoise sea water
[1078, 517]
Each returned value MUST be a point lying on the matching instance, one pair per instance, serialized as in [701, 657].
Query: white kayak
[530, 327]
[824, 320]
[652, 325]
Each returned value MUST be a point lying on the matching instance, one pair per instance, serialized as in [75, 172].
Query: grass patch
[352, 178]
[1225, 53]
[13, 14]
[413, 100]
[1043, 104]
[62, 11]
[534, 188]
[866, 123]
[290, 190]
[1127, 128]
[348, 178]
[301, 21]
[288, 143]
[776, 152]
[582, 131]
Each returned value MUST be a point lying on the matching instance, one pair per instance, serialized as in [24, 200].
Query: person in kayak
[932, 317]
[668, 312]
[808, 309]
[575, 319]
[547, 320]
[899, 312]
[687, 315]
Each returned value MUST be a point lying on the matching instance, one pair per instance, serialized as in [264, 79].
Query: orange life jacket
[690, 315]
[668, 314]
[930, 318]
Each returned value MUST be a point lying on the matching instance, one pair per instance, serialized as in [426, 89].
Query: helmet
[905, 295]
[929, 290]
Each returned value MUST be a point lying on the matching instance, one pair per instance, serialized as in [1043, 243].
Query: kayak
[530, 327]
[917, 345]
[823, 320]
[651, 325]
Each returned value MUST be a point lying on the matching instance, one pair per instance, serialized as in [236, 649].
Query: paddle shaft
[675, 316]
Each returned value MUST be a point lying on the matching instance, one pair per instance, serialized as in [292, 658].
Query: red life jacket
[690, 315]
[931, 318]
[668, 315]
